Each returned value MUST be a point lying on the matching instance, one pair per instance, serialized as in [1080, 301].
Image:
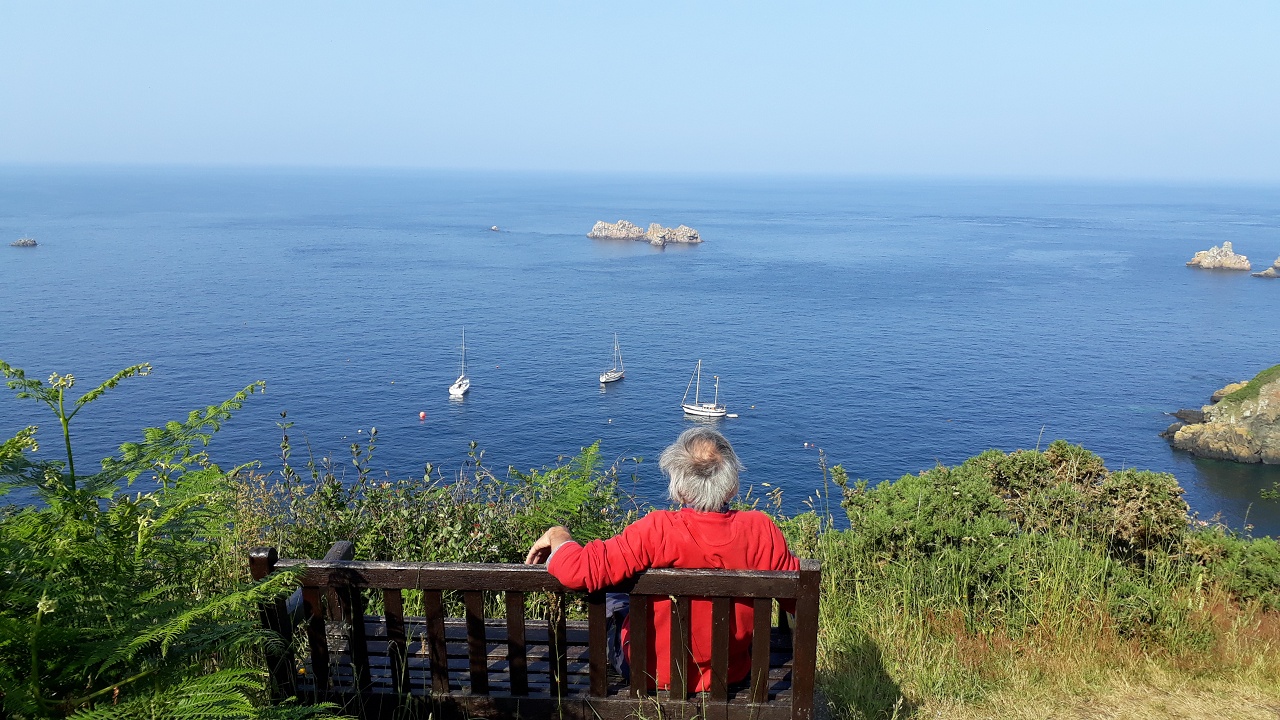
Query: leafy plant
[105, 611]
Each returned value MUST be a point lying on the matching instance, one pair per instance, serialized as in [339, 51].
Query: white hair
[703, 469]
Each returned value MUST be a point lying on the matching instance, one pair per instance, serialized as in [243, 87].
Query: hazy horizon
[1175, 92]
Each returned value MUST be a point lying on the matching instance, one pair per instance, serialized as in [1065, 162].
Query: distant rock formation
[1243, 423]
[1220, 258]
[659, 236]
[1271, 272]
[656, 235]
[23, 242]
[621, 230]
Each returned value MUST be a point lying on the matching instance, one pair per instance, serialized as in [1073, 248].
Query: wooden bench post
[274, 617]
[805, 641]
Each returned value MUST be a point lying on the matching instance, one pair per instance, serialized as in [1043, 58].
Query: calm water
[893, 324]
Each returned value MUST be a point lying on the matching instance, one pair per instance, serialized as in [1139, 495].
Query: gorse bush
[105, 606]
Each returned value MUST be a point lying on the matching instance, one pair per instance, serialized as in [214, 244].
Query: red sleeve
[603, 563]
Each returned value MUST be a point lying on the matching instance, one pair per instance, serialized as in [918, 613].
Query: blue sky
[1180, 91]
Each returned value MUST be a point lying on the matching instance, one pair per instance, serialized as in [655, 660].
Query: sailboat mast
[698, 389]
[717, 399]
[464, 351]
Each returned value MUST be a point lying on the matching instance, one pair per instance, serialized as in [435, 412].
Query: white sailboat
[463, 383]
[617, 372]
[701, 409]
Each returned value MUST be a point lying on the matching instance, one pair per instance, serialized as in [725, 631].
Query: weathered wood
[397, 646]
[437, 650]
[316, 639]
[721, 624]
[763, 610]
[805, 647]
[338, 552]
[517, 649]
[681, 649]
[641, 609]
[476, 651]
[558, 630]
[599, 640]
[532, 578]
[274, 617]
[398, 668]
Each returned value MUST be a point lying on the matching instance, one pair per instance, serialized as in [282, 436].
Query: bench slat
[639, 644]
[680, 648]
[598, 638]
[517, 650]
[559, 632]
[437, 651]
[534, 578]
[721, 624]
[760, 637]
[805, 640]
[316, 637]
[476, 645]
[393, 601]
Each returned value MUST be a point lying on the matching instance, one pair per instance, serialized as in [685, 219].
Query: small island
[1241, 423]
[1220, 258]
[1271, 272]
[23, 242]
[656, 235]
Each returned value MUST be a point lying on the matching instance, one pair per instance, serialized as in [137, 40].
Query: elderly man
[704, 533]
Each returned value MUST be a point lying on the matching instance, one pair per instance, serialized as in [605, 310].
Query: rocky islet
[656, 235]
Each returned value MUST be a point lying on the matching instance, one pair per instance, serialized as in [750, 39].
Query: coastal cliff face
[1220, 258]
[621, 230]
[656, 235]
[1271, 272]
[1243, 426]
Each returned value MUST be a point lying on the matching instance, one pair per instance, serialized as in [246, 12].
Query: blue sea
[893, 324]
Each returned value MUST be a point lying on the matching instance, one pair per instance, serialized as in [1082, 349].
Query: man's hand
[547, 544]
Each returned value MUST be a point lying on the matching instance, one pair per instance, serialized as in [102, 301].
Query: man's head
[703, 469]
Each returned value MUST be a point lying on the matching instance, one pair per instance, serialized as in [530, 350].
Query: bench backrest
[342, 582]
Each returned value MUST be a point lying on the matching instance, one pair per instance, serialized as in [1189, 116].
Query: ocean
[893, 324]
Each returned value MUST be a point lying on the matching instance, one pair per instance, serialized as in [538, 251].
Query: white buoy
[732, 415]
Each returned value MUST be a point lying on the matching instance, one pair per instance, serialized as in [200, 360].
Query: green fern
[104, 612]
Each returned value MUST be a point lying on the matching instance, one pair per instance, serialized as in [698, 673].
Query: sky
[1120, 90]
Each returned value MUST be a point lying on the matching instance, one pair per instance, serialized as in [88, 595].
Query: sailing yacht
[463, 383]
[711, 409]
[617, 371]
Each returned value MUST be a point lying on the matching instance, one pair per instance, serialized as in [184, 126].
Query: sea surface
[894, 324]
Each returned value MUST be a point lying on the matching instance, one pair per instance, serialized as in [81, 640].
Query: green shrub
[103, 608]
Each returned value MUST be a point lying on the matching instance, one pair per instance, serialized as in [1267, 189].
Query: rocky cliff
[1244, 425]
[1271, 272]
[621, 230]
[1220, 258]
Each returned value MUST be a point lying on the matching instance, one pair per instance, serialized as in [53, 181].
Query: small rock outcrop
[1220, 258]
[621, 230]
[23, 242]
[656, 235]
[1243, 423]
[1271, 272]
[659, 236]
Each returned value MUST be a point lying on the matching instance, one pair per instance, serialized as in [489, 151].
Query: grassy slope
[1254, 386]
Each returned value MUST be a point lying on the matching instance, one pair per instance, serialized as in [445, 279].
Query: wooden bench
[399, 666]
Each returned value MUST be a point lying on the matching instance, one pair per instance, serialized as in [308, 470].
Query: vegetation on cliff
[1003, 586]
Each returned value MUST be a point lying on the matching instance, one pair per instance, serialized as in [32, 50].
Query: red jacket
[733, 540]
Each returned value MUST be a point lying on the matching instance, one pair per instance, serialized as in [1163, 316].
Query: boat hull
[609, 376]
[460, 387]
[704, 409]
